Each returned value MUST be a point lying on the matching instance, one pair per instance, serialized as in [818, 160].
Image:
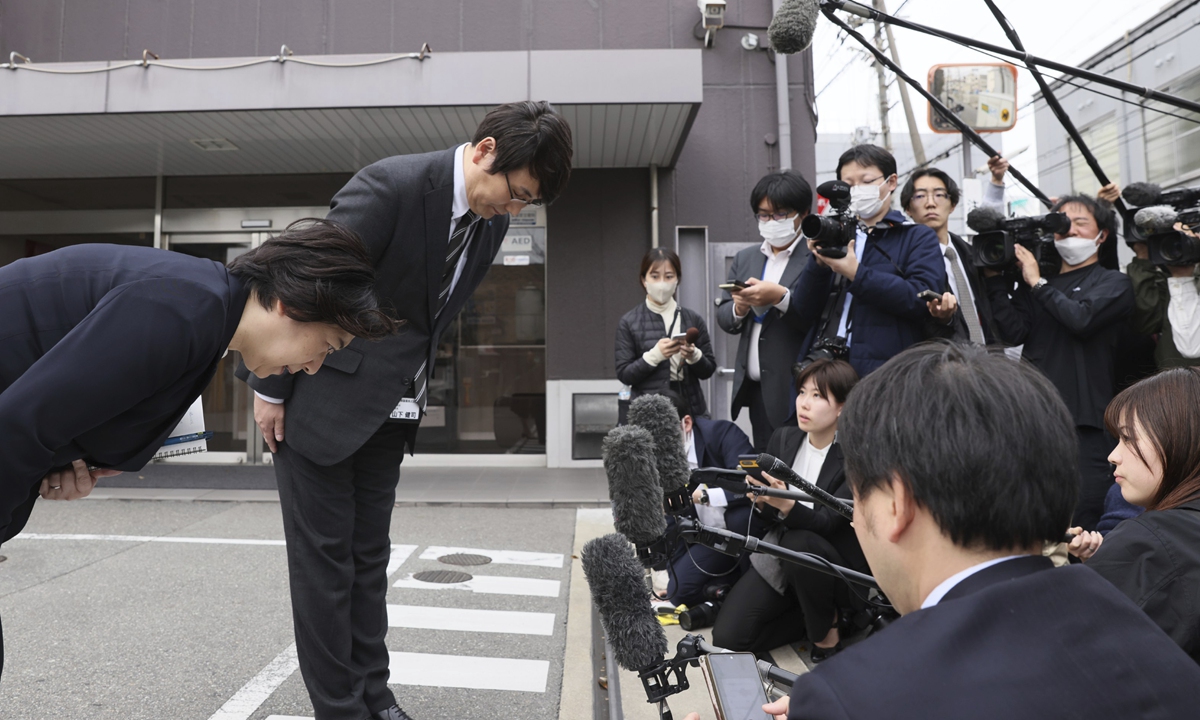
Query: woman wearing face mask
[1069, 325]
[776, 603]
[1155, 557]
[652, 353]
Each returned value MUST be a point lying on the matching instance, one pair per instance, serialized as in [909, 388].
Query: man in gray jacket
[433, 223]
[770, 336]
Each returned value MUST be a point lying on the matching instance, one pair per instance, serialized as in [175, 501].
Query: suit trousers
[1095, 475]
[336, 520]
[755, 618]
[759, 420]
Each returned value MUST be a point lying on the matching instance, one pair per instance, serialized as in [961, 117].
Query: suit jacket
[1154, 559]
[785, 445]
[105, 347]
[1020, 639]
[778, 343]
[400, 207]
[957, 329]
[718, 444]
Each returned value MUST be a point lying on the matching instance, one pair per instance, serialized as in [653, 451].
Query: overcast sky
[1063, 30]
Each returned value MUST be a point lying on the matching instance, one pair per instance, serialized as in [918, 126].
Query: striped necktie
[970, 314]
[454, 251]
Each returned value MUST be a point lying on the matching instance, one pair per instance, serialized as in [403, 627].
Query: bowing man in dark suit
[106, 346]
[769, 327]
[777, 603]
[433, 223]
[710, 443]
[963, 313]
[962, 465]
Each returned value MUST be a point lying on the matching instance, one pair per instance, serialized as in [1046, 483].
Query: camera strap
[837, 300]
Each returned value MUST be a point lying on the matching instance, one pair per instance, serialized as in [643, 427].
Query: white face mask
[660, 292]
[1076, 250]
[865, 200]
[779, 233]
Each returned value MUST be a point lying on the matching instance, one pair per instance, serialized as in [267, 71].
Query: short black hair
[532, 135]
[787, 190]
[321, 272]
[868, 156]
[834, 378]
[1103, 212]
[681, 406]
[983, 442]
[910, 187]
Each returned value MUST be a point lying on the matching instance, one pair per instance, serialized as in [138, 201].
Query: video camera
[831, 234]
[995, 245]
[1156, 219]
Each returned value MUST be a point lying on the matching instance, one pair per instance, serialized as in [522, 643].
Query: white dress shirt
[772, 272]
[713, 514]
[948, 584]
[808, 463]
[954, 289]
[1182, 312]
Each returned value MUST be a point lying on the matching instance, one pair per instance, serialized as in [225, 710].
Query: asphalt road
[181, 610]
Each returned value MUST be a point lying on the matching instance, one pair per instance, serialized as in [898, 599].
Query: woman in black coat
[776, 602]
[651, 353]
[1155, 558]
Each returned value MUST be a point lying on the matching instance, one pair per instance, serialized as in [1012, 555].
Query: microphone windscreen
[637, 497]
[1156, 219]
[693, 334]
[1142, 194]
[658, 415]
[791, 30]
[985, 219]
[619, 594]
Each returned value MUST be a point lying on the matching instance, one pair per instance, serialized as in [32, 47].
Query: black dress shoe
[392, 713]
[820, 654]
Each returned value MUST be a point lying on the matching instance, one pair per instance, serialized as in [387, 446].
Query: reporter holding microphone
[653, 349]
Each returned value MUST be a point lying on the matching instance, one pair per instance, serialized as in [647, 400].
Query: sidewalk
[450, 486]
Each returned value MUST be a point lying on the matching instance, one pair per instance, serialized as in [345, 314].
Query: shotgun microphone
[657, 414]
[636, 495]
[775, 467]
[619, 593]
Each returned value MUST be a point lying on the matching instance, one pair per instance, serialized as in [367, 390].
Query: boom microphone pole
[829, 6]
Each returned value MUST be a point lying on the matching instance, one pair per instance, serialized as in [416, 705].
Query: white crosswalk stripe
[475, 673]
[489, 585]
[509, 622]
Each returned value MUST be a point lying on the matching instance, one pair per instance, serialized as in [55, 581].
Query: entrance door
[725, 346]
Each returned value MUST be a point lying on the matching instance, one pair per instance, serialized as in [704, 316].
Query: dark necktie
[454, 251]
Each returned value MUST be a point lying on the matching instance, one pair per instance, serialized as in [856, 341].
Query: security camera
[712, 13]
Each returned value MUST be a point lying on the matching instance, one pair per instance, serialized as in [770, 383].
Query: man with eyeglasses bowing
[433, 223]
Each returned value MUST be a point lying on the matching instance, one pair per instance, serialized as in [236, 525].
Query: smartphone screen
[738, 686]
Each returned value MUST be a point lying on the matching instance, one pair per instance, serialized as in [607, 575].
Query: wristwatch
[1041, 283]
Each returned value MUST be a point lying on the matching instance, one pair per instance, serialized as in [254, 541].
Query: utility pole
[914, 134]
[884, 129]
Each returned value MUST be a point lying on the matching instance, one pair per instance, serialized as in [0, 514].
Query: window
[1171, 142]
[1102, 139]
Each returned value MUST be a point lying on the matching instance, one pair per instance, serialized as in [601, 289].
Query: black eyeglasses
[764, 216]
[536, 202]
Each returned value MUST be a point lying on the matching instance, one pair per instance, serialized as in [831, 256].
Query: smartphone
[734, 686]
[679, 335]
[735, 285]
[929, 296]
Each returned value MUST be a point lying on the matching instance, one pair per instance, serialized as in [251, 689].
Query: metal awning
[329, 113]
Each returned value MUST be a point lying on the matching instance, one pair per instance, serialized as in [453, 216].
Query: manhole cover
[465, 559]
[3, 558]
[442, 577]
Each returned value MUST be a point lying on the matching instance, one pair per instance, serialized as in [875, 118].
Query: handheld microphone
[985, 219]
[658, 416]
[633, 487]
[693, 334]
[1156, 219]
[620, 597]
[791, 30]
[775, 467]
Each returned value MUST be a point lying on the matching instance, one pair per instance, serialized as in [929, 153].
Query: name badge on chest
[408, 409]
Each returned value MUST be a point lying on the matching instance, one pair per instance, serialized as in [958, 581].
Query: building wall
[605, 216]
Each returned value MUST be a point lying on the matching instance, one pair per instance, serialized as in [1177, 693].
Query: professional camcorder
[995, 245]
[831, 234]
[1155, 222]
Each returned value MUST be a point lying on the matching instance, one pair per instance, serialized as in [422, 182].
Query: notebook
[189, 436]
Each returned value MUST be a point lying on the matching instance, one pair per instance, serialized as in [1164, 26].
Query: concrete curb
[579, 678]
[208, 495]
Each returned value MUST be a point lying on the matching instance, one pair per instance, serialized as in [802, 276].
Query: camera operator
[1166, 304]
[710, 443]
[929, 197]
[952, 521]
[775, 602]
[769, 329]
[1069, 324]
[864, 307]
